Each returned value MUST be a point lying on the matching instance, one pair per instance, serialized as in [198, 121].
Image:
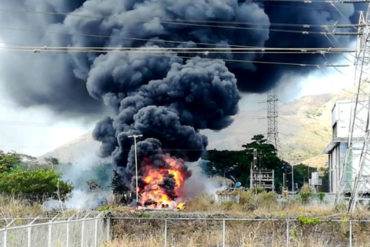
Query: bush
[8, 161]
[305, 194]
[251, 201]
[257, 190]
[203, 202]
[321, 196]
[34, 184]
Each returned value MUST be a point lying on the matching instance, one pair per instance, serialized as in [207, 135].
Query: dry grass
[201, 233]
[146, 232]
[11, 207]
[152, 242]
[264, 205]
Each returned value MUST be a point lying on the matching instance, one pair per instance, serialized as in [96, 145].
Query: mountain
[82, 146]
[304, 130]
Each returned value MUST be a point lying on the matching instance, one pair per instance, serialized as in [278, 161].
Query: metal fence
[70, 232]
[185, 231]
[222, 232]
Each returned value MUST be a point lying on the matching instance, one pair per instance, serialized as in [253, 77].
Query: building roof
[331, 145]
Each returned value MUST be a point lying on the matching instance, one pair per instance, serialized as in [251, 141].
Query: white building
[337, 148]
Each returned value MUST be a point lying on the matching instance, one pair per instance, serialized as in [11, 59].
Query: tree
[302, 174]
[228, 163]
[238, 163]
[8, 161]
[34, 184]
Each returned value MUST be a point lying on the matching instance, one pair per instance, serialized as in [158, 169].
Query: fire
[162, 186]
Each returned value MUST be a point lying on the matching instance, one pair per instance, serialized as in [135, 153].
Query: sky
[37, 130]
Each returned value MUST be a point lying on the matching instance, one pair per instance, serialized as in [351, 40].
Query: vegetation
[34, 184]
[237, 164]
[11, 207]
[305, 194]
[31, 184]
[8, 161]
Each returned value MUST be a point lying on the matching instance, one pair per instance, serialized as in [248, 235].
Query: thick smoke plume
[166, 97]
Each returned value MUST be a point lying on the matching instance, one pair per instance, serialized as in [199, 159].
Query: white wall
[341, 116]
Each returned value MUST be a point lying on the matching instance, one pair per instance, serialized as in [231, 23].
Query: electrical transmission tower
[272, 119]
[355, 172]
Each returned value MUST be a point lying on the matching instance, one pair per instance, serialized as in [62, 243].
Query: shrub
[321, 196]
[201, 203]
[251, 201]
[34, 184]
[305, 194]
[257, 190]
[304, 197]
[8, 161]
[309, 221]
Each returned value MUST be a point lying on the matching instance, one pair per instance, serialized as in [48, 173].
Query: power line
[163, 51]
[202, 23]
[317, 1]
[129, 38]
[183, 49]
[303, 25]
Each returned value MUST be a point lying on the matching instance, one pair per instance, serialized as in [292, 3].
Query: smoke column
[165, 97]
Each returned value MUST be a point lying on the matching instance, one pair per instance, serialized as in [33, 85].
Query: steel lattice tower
[272, 119]
[355, 173]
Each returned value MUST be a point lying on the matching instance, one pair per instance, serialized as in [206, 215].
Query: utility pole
[254, 158]
[272, 119]
[292, 178]
[136, 173]
[253, 168]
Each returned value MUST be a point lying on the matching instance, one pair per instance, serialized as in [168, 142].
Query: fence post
[50, 223]
[165, 233]
[6, 232]
[108, 228]
[29, 228]
[96, 228]
[67, 230]
[83, 229]
[5, 240]
[96, 233]
[287, 232]
[82, 232]
[350, 233]
[223, 232]
[29, 236]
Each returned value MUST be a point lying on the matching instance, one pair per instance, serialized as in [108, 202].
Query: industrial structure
[262, 178]
[353, 173]
[272, 119]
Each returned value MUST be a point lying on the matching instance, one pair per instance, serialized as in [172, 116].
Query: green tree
[238, 163]
[8, 161]
[228, 163]
[302, 174]
[34, 184]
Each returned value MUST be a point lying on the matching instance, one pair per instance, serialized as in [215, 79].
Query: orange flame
[153, 194]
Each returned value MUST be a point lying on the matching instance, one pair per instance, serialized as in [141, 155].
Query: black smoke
[166, 97]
